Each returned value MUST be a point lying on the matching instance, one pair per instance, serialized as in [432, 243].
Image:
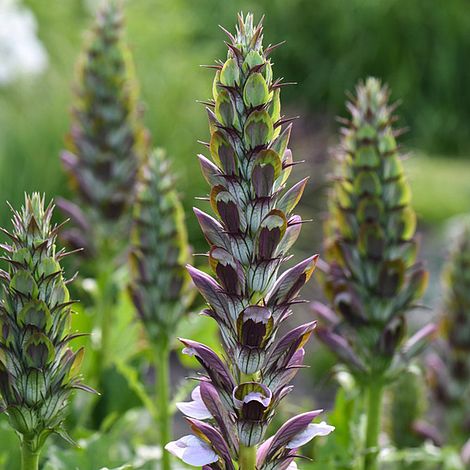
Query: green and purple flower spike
[160, 287]
[107, 141]
[250, 237]
[105, 148]
[38, 369]
[372, 278]
[449, 365]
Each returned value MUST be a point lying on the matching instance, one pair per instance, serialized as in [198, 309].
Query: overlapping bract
[38, 370]
[107, 141]
[449, 368]
[373, 277]
[249, 238]
[160, 285]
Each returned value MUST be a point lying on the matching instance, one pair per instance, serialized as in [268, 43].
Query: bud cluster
[38, 370]
[249, 239]
[373, 278]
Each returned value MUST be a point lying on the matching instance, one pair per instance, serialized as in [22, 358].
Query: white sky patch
[21, 52]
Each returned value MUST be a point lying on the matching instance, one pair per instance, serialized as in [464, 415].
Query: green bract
[38, 370]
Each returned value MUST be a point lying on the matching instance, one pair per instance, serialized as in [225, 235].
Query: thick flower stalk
[38, 369]
[105, 147]
[249, 239]
[449, 366]
[160, 288]
[372, 278]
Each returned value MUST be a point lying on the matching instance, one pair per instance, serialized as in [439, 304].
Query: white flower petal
[311, 431]
[192, 451]
[196, 408]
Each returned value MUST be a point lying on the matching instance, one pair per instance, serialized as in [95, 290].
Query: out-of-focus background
[421, 48]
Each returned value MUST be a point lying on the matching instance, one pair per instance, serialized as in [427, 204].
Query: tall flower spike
[253, 229]
[160, 287]
[160, 283]
[106, 146]
[107, 140]
[38, 370]
[450, 366]
[373, 279]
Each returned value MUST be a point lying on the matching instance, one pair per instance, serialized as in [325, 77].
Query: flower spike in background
[160, 286]
[449, 366]
[372, 279]
[106, 145]
[250, 236]
[38, 369]
[107, 141]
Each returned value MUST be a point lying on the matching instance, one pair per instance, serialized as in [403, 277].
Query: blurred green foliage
[420, 48]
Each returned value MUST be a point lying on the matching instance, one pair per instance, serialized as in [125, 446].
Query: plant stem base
[29, 458]
[374, 410]
[247, 458]
[162, 386]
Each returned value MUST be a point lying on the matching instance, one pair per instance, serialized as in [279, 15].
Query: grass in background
[440, 187]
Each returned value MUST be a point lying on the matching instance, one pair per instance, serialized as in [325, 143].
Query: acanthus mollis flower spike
[449, 365]
[160, 286]
[373, 278]
[250, 235]
[107, 140]
[38, 369]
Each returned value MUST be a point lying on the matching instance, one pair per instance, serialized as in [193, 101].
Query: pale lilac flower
[196, 408]
[311, 431]
[193, 451]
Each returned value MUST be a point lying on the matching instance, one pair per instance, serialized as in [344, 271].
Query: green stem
[104, 310]
[162, 388]
[374, 410]
[247, 458]
[29, 457]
